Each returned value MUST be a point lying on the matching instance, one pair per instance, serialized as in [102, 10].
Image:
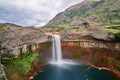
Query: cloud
[32, 12]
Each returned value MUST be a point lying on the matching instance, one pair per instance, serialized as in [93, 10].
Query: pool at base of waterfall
[75, 71]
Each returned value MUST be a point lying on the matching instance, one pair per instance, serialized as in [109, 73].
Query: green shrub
[72, 14]
[21, 65]
[2, 28]
[114, 63]
[111, 1]
[94, 3]
[116, 56]
[114, 27]
[77, 55]
[48, 44]
[117, 35]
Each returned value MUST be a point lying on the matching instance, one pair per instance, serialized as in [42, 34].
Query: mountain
[95, 12]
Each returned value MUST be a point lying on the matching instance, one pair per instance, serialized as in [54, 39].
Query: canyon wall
[93, 44]
[99, 53]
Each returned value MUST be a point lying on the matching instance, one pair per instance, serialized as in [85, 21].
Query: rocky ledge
[14, 39]
[93, 32]
[91, 37]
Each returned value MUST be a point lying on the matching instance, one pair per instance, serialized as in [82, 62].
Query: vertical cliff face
[45, 51]
[75, 47]
[100, 54]
[93, 44]
[15, 39]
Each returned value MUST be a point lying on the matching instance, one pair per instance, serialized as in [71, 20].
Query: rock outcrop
[91, 37]
[15, 39]
[2, 73]
[90, 32]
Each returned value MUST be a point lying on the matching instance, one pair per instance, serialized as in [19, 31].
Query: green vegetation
[115, 16]
[48, 44]
[2, 28]
[77, 52]
[72, 14]
[50, 26]
[110, 2]
[114, 63]
[106, 9]
[97, 59]
[2, 77]
[29, 48]
[86, 24]
[114, 27]
[77, 55]
[96, 12]
[76, 28]
[116, 56]
[117, 35]
[111, 17]
[19, 66]
[94, 3]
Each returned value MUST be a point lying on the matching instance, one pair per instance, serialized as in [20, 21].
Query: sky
[32, 12]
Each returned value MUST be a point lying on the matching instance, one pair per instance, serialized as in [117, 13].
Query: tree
[86, 24]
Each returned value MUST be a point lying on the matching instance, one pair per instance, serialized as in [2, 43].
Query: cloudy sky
[32, 12]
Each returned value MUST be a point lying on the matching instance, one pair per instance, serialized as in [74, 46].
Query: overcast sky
[32, 12]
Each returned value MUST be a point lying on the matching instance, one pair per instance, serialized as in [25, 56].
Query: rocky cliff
[88, 33]
[91, 37]
[103, 55]
[15, 39]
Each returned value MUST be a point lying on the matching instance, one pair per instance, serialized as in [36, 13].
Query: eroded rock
[14, 39]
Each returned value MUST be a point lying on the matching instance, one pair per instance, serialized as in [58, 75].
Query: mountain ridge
[95, 12]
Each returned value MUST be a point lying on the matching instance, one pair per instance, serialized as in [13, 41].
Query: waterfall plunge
[56, 52]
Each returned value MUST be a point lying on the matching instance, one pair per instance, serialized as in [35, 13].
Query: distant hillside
[95, 12]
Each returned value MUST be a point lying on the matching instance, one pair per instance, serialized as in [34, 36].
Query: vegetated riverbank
[18, 68]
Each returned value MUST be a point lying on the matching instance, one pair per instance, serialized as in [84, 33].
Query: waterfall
[56, 51]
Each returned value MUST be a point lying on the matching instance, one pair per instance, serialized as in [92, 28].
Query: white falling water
[56, 53]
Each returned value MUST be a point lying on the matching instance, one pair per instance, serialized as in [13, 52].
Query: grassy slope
[102, 12]
[2, 28]
[115, 29]
[18, 68]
